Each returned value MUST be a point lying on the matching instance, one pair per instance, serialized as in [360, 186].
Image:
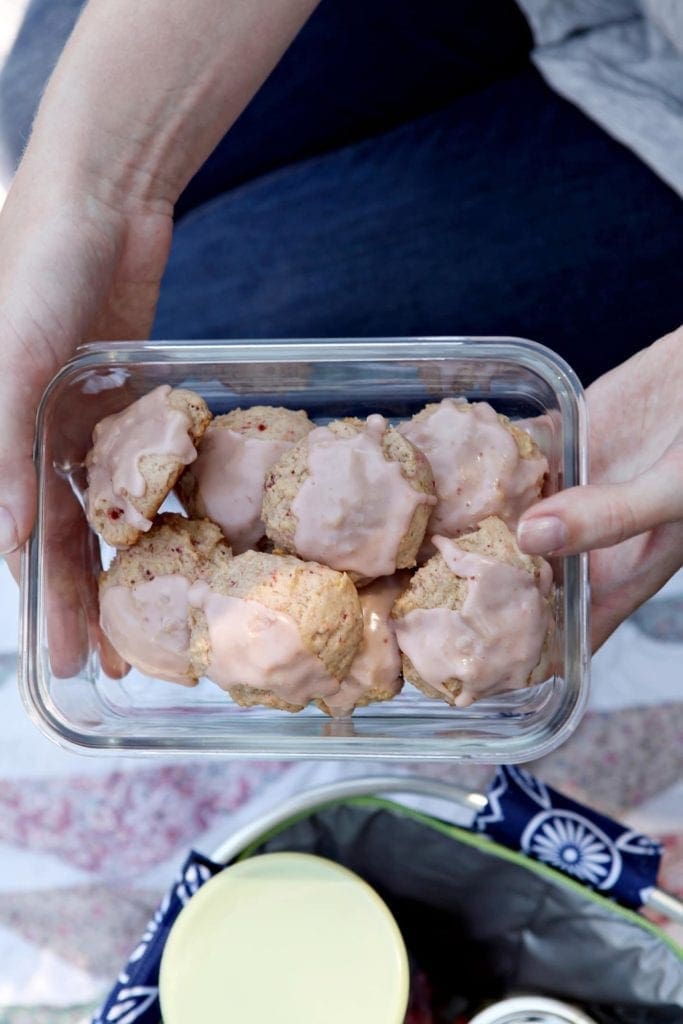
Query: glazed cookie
[136, 458]
[483, 464]
[375, 672]
[354, 495]
[144, 610]
[476, 619]
[226, 481]
[273, 630]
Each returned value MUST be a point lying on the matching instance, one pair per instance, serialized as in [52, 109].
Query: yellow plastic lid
[284, 937]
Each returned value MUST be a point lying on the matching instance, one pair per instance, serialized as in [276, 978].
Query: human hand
[73, 268]
[630, 517]
[139, 98]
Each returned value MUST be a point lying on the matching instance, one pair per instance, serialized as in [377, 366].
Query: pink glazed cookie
[144, 607]
[136, 458]
[225, 484]
[353, 495]
[483, 464]
[273, 630]
[375, 672]
[476, 619]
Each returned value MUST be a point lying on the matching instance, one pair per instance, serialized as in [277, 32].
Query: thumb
[601, 515]
[17, 473]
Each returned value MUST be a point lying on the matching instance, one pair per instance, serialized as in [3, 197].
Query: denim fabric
[404, 171]
[357, 68]
[507, 212]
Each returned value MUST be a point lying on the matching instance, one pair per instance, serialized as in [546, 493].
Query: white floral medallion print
[572, 843]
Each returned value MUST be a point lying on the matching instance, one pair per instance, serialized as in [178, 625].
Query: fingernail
[8, 532]
[541, 536]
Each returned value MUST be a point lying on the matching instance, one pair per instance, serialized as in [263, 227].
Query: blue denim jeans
[406, 171]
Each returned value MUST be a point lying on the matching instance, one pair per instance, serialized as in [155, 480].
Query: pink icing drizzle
[148, 625]
[252, 645]
[150, 426]
[230, 471]
[377, 664]
[355, 506]
[477, 466]
[494, 642]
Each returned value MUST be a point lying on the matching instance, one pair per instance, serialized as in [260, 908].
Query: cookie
[353, 495]
[273, 630]
[144, 609]
[226, 481]
[483, 464]
[375, 672]
[136, 458]
[476, 620]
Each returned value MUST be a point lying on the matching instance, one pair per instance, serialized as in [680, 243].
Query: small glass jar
[531, 1010]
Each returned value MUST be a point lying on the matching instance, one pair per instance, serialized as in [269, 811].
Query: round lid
[531, 1010]
[285, 937]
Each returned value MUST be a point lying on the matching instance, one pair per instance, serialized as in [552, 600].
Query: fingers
[14, 565]
[112, 663]
[599, 516]
[17, 475]
[69, 552]
[26, 365]
[53, 274]
[18, 499]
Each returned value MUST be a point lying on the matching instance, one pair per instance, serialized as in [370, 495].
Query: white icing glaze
[148, 625]
[377, 664]
[230, 472]
[477, 467]
[252, 645]
[355, 506]
[493, 642]
[150, 426]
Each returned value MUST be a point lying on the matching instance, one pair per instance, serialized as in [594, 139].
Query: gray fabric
[506, 927]
[621, 63]
[552, 21]
[667, 15]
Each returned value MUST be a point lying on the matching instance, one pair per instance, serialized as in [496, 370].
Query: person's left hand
[630, 517]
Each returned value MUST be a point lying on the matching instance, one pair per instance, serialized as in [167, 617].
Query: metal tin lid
[531, 1010]
[285, 937]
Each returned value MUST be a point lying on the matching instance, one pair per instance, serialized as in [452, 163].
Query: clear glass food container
[64, 685]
